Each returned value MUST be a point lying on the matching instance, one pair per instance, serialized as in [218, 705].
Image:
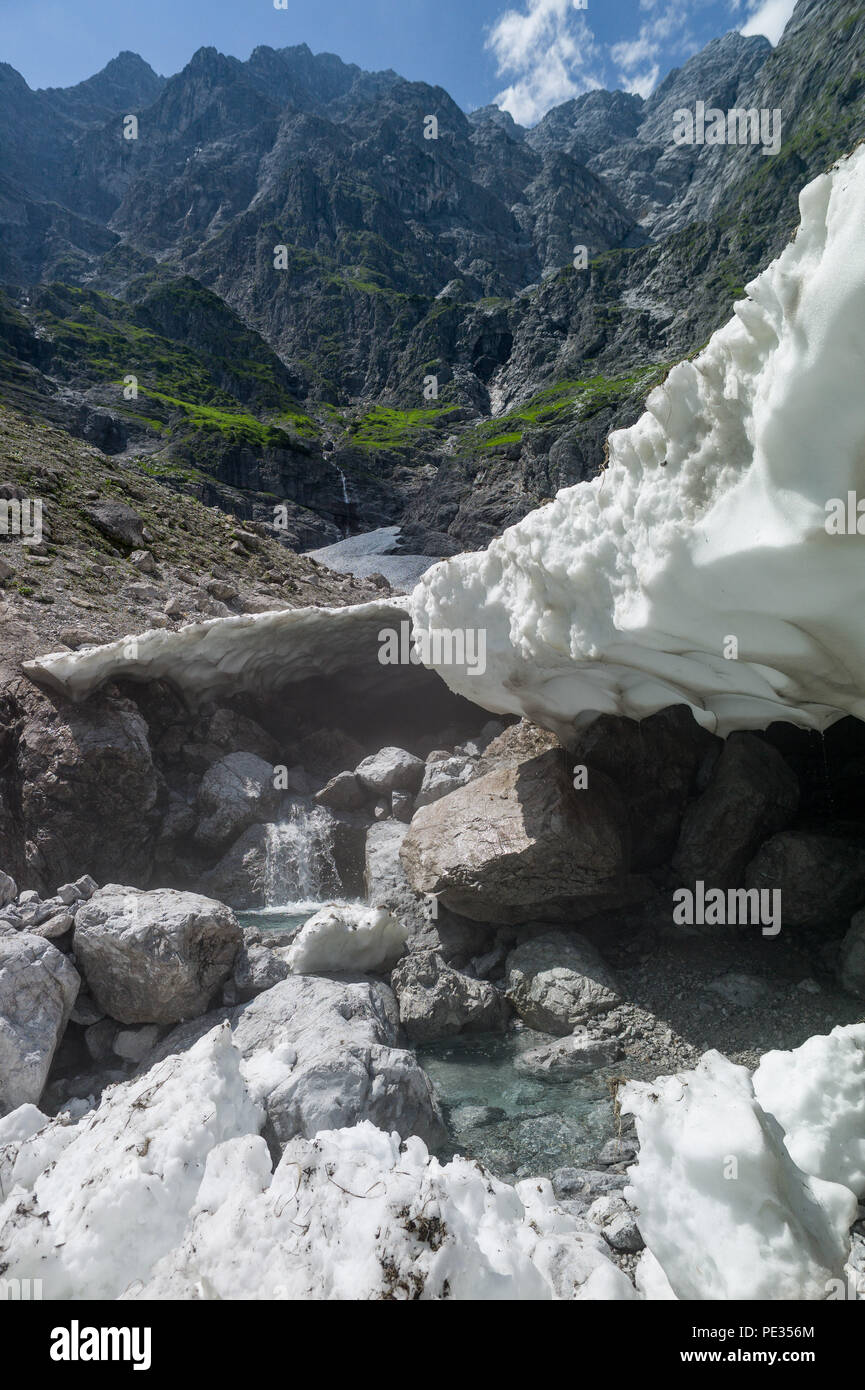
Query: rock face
[821, 877]
[752, 794]
[386, 882]
[80, 766]
[38, 987]
[520, 843]
[436, 1001]
[234, 792]
[155, 957]
[852, 967]
[390, 770]
[558, 981]
[240, 876]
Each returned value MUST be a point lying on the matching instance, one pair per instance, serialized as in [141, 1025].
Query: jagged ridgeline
[281, 282]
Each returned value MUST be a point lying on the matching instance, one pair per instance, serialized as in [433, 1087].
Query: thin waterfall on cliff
[301, 871]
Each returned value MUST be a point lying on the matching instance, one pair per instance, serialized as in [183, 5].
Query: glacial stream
[516, 1124]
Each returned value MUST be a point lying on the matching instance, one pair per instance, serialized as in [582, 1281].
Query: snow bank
[722, 1206]
[257, 653]
[345, 937]
[417, 1229]
[817, 1095]
[622, 595]
[94, 1205]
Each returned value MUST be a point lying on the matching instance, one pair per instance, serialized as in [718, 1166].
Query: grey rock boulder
[344, 792]
[8, 890]
[821, 877]
[390, 770]
[558, 981]
[751, 795]
[38, 987]
[617, 1223]
[234, 793]
[240, 877]
[437, 1001]
[445, 776]
[257, 968]
[322, 1053]
[520, 842]
[154, 957]
[570, 1056]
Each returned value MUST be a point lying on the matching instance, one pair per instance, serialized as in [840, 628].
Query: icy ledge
[252, 653]
[622, 595]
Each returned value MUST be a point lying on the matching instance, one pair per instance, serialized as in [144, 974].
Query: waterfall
[345, 497]
[300, 869]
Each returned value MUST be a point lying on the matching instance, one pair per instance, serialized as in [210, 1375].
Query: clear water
[289, 918]
[515, 1125]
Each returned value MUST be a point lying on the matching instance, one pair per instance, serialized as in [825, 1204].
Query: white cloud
[769, 17]
[550, 50]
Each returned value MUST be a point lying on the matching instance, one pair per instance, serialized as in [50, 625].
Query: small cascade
[300, 872]
[346, 499]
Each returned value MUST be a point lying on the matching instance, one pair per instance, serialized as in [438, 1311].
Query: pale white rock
[133, 1044]
[817, 1095]
[155, 957]
[347, 937]
[390, 770]
[720, 1202]
[38, 987]
[709, 522]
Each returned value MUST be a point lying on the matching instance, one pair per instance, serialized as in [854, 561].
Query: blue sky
[527, 54]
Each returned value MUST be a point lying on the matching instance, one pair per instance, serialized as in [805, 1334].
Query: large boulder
[436, 1001]
[656, 764]
[390, 770]
[233, 793]
[323, 1053]
[752, 794]
[521, 842]
[821, 877]
[156, 957]
[240, 877]
[558, 981]
[38, 987]
[344, 792]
